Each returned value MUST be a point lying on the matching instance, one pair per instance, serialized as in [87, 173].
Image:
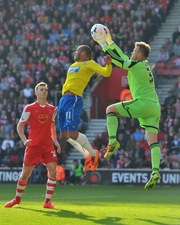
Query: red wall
[107, 92]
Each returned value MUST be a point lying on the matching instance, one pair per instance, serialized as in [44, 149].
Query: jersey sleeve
[123, 62]
[25, 114]
[117, 55]
[115, 50]
[128, 64]
[104, 71]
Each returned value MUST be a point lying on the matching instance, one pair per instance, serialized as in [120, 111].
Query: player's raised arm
[102, 36]
[102, 70]
[112, 48]
[108, 59]
[126, 64]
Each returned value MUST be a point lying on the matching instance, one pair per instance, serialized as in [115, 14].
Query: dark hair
[87, 49]
[144, 48]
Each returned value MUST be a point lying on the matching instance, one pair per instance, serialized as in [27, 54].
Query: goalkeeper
[145, 104]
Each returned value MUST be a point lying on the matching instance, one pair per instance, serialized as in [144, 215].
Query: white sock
[83, 141]
[78, 147]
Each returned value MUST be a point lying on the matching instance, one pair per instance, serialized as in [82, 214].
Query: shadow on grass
[74, 215]
[154, 222]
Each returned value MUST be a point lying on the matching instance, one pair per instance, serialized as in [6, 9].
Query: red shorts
[34, 155]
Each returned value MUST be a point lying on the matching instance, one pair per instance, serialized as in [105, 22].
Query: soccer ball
[98, 31]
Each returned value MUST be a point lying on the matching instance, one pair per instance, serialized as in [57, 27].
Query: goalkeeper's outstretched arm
[108, 45]
[112, 46]
[114, 51]
[116, 59]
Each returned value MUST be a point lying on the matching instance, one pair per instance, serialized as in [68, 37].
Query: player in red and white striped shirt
[39, 146]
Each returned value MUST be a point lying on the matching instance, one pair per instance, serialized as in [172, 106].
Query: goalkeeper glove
[108, 37]
[101, 41]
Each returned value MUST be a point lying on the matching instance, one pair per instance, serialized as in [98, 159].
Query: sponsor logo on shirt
[42, 118]
[74, 69]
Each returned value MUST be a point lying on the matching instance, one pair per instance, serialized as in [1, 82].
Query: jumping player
[145, 103]
[40, 117]
[71, 103]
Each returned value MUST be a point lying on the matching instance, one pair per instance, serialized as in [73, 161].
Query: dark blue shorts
[69, 112]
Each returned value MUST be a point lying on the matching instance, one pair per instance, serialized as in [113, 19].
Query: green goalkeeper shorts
[146, 111]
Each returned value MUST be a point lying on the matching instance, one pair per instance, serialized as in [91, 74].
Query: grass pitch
[90, 205]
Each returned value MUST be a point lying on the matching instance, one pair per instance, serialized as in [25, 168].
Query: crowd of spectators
[171, 47]
[37, 38]
[168, 59]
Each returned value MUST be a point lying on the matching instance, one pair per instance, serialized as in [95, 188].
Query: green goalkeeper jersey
[140, 77]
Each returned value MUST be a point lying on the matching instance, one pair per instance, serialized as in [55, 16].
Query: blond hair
[145, 48]
[40, 84]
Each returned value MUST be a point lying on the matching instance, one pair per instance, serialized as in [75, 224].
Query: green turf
[88, 205]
